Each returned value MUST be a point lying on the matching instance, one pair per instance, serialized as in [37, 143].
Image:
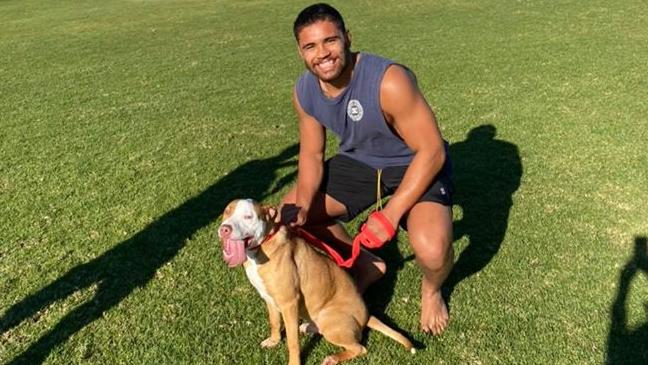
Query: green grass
[126, 126]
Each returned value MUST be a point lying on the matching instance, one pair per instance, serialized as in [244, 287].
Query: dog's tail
[375, 324]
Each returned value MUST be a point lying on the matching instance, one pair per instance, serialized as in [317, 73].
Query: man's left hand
[374, 233]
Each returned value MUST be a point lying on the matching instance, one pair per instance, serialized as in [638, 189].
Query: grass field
[126, 126]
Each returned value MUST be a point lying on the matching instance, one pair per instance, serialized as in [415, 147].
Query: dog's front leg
[274, 318]
[290, 312]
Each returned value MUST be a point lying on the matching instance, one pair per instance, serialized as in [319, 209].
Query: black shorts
[354, 184]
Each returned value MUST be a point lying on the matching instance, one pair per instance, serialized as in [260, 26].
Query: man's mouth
[234, 251]
[327, 65]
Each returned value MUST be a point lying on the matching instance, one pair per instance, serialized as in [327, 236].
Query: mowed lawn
[126, 126]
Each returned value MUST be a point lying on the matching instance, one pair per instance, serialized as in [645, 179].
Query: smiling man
[389, 144]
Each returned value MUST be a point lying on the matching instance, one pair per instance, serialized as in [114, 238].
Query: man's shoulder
[375, 63]
[375, 57]
[305, 88]
[304, 76]
[304, 81]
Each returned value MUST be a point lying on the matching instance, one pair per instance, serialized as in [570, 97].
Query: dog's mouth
[234, 251]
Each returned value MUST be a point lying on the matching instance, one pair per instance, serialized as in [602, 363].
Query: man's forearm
[309, 178]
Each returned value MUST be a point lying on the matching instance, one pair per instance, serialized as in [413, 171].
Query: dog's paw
[330, 360]
[270, 342]
[308, 328]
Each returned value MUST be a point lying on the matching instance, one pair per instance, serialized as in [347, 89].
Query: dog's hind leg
[350, 352]
[344, 332]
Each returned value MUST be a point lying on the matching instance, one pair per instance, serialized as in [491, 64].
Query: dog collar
[271, 234]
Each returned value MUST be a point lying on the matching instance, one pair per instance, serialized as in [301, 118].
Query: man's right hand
[293, 215]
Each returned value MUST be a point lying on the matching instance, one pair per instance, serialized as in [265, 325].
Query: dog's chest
[252, 272]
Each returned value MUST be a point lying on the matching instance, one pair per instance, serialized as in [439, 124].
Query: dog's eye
[247, 217]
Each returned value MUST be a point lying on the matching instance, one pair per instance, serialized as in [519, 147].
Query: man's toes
[440, 326]
[438, 329]
[425, 327]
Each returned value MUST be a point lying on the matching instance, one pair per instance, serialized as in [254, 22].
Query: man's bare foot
[434, 312]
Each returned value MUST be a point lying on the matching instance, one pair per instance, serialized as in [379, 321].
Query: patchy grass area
[126, 126]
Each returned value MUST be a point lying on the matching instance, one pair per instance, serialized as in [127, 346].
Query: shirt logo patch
[354, 110]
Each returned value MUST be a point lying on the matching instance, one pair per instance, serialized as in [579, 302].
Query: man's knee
[435, 253]
[430, 234]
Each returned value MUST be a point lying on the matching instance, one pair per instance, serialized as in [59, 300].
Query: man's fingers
[288, 214]
[293, 216]
[377, 229]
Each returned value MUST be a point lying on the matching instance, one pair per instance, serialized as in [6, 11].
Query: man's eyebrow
[330, 38]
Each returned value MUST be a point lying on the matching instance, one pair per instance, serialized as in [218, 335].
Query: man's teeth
[326, 64]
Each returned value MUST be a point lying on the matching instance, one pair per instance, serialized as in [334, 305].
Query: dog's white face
[244, 227]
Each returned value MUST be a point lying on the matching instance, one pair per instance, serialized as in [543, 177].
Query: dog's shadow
[133, 263]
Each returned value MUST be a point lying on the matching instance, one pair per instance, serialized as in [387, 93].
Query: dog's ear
[271, 213]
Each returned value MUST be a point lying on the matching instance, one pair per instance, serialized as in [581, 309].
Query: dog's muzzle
[233, 249]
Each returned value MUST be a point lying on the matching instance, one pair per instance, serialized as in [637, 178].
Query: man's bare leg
[430, 233]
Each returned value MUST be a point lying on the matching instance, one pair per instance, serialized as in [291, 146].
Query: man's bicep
[408, 111]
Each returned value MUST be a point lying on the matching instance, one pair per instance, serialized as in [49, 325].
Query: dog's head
[245, 225]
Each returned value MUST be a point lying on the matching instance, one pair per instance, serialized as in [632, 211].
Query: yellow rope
[378, 194]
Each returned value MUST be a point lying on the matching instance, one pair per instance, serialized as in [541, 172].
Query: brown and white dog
[296, 281]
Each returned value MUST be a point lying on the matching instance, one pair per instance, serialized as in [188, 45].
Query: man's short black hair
[316, 13]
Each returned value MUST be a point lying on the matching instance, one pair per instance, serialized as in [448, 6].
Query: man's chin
[327, 77]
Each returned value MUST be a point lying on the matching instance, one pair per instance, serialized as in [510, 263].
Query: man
[388, 138]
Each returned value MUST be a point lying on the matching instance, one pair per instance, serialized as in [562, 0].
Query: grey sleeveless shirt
[355, 115]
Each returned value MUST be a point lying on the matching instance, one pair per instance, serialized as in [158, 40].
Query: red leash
[364, 238]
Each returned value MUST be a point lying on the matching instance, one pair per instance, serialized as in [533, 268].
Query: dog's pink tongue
[234, 252]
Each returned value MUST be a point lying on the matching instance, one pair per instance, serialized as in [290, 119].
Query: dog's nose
[224, 230]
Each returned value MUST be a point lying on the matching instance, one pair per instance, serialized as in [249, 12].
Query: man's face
[324, 49]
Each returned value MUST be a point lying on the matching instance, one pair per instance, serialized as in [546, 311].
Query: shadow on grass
[379, 295]
[133, 262]
[626, 345]
[486, 173]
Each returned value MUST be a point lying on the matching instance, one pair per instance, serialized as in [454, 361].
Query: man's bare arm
[312, 144]
[410, 115]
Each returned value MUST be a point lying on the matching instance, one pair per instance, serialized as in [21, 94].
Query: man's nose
[322, 51]
[224, 231]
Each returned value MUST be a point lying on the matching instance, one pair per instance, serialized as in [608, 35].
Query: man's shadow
[133, 262]
[626, 345]
[486, 174]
